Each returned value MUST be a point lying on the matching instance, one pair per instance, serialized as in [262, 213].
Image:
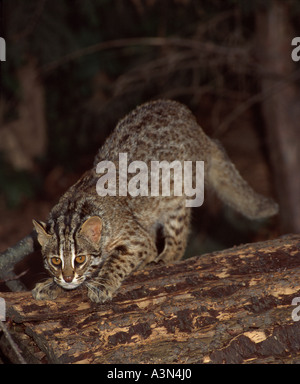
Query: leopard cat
[97, 241]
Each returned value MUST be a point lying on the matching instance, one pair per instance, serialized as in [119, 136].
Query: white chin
[65, 285]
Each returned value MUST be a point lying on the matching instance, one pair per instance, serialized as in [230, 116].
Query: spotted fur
[116, 235]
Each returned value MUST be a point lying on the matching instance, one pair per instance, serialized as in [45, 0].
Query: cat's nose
[68, 278]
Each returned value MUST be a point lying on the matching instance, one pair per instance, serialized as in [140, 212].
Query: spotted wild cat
[99, 240]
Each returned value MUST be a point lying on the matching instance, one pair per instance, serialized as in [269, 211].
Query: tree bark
[233, 306]
[281, 108]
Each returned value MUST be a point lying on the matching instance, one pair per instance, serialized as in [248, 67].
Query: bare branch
[258, 97]
[13, 345]
[31, 24]
[208, 48]
[12, 256]
[16, 277]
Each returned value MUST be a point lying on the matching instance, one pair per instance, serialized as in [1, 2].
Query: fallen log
[233, 306]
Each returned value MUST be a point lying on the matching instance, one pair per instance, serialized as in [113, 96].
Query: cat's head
[70, 256]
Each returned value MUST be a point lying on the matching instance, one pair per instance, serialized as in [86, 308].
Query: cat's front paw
[100, 293]
[47, 290]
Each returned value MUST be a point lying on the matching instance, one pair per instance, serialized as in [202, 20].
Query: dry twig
[11, 342]
[10, 257]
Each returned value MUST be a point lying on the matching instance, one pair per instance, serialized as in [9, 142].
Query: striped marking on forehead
[60, 232]
[75, 224]
[61, 253]
[66, 220]
[64, 229]
[73, 254]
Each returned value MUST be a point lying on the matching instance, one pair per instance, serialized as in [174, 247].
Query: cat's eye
[55, 261]
[80, 259]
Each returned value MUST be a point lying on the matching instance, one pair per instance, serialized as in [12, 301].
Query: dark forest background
[74, 68]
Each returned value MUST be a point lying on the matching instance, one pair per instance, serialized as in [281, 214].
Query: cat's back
[158, 130]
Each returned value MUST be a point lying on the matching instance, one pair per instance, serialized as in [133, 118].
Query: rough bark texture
[232, 306]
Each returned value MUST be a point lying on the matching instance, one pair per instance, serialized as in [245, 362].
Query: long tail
[231, 188]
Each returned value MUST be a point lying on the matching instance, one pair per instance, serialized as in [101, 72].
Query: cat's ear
[40, 228]
[91, 229]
